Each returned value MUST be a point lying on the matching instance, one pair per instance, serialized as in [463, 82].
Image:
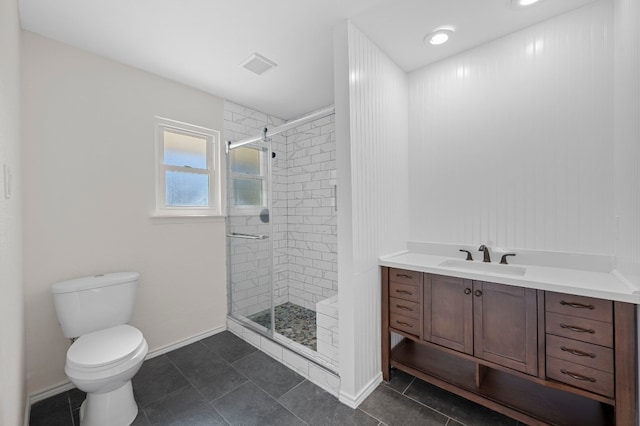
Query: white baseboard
[354, 400]
[48, 393]
[63, 387]
[163, 350]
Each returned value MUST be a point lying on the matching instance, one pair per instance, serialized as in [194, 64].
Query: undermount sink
[492, 268]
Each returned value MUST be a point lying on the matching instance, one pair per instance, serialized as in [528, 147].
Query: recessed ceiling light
[439, 35]
[258, 64]
[519, 4]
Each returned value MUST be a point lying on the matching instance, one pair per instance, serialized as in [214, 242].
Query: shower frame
[265, 137]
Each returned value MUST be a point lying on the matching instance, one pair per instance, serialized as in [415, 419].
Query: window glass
[187, 189]
[247, 192]
[246, 161]
[185, 150]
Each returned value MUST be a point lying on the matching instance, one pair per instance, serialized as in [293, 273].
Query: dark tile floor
[222, 380]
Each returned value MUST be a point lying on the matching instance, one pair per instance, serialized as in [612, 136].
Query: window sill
[185, 218]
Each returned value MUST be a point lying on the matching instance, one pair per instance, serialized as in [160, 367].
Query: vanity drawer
[582, 377]
[404, 307]
[404, 323]
[579, 306]
[582, 353]
[597, 332]
[404, 276]
[404, 291]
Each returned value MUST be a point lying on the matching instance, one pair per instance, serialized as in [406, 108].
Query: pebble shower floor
[292, 321]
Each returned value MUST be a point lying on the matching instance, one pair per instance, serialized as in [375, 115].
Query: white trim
[48, 393]
[63, 387]
[354, 401]
[172, 347]
[213, 170]
[164, 218]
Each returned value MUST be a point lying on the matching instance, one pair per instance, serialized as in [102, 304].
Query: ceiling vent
[258, 64]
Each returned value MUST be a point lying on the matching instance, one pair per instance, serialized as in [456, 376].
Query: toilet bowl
[102, 364]
[106, 352]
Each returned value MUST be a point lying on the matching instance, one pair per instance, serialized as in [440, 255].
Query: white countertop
[604, 285]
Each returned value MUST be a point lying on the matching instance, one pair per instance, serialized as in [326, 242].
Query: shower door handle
[248, 236]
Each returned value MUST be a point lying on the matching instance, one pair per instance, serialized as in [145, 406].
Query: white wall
[627, 138]
[12, 346]
[511, 142]
[88, 163]
[371, 143]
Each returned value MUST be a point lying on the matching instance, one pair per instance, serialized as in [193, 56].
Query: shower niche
[282, 230]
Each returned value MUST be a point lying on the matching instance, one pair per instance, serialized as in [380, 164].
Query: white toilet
[107, 352]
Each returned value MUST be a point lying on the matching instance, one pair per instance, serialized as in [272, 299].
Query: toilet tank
[94, 303]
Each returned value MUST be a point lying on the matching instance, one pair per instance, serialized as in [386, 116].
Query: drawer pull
[578, 352]
[406, 324]
[467, 291]
[578, 329]
[404, 292]
[578, 376]
[404, 276]
[404, 308]
[577, 305]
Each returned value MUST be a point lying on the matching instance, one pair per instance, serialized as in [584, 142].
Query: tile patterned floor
[222, 380]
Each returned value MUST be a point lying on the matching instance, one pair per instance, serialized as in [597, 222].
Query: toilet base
[114, 408]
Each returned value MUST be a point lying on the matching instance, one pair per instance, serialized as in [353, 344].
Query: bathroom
[68, 218]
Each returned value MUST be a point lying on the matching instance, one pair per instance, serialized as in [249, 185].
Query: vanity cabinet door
[448, 312]
[505, 329]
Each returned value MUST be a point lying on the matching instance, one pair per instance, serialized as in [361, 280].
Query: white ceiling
[201, 43]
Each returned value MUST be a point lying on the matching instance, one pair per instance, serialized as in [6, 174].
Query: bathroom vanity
[540, 356]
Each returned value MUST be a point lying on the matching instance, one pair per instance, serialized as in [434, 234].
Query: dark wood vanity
[540, 357]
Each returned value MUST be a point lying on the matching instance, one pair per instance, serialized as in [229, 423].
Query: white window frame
[213, 169]
[250, 210]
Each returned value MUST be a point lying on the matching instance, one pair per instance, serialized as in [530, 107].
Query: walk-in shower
[282, 231]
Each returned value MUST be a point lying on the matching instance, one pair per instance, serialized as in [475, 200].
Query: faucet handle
[468, 254]
[504, 258]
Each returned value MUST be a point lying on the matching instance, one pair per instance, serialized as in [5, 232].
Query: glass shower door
[249, 235]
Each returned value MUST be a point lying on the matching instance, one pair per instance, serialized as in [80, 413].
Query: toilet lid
[104, 347]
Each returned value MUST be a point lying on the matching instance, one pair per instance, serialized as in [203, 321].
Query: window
[247, 178]
[188, 172]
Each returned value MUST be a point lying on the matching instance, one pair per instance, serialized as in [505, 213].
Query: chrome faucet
[487, 256]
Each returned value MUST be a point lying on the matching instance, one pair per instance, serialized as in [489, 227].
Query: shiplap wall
[627, 137]
[372, 196]
[510, 143]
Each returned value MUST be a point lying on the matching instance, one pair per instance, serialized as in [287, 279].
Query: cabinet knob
[478, 293]
[467, 291]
